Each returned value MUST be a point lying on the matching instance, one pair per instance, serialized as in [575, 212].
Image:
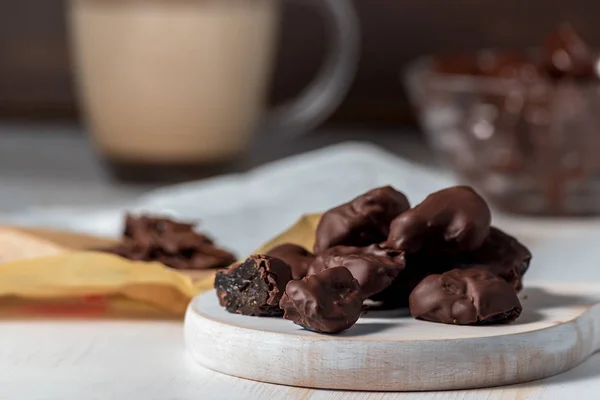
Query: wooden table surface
[147, 361]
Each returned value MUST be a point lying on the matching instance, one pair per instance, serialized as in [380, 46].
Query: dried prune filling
[248, 290]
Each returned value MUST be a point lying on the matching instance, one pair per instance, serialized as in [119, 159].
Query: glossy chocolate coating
[465, 297]
[363, 221]
[454, 219]
[253, 287]
[501, 254]
[374, 267]
[328, 302]
[297, 257]
[566, 55]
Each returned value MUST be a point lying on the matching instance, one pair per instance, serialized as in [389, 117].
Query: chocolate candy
[566, 55]
[501, 254]
[253, 287]
[465, 297]
[297, 257]
[175, 244]
[511, 65]
[361, 222]
[143, 227]
[328, 302]
[373, 267]
[451, 220]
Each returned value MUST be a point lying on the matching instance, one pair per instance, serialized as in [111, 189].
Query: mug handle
[326, 92]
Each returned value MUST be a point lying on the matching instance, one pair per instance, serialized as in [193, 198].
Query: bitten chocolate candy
[501, 254]
[465, 297]
[253, 287]
[297, 257]
[361, 222]
[453, 219]
[328, 302]
[374, 267]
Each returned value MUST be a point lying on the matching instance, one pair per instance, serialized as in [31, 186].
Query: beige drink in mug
[183, 82]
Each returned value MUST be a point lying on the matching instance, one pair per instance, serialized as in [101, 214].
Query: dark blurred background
[36, 81]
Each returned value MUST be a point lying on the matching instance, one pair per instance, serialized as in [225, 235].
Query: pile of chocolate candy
[564, 56]
[440, 258]
[175, 244]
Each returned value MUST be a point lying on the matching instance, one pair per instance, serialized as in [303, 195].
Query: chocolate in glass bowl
[522, 128]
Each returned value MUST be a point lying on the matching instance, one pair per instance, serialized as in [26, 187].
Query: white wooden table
[146, 359]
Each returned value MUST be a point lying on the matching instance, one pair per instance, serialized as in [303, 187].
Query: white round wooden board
[558, 329]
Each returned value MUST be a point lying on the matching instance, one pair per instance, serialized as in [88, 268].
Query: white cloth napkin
[244, 210]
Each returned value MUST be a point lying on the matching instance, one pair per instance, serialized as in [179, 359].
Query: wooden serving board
[559, 328]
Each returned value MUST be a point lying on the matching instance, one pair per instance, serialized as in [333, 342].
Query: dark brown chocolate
[374, 267]
[173, 243]
[328, 302]
[566, 55]
[363, 221]
[253, 287]
[297, 257]
[142, 227]
[465, 297]
[501, 254]
[454, 219]
[418, 266]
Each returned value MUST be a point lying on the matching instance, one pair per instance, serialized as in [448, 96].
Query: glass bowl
[528, 145]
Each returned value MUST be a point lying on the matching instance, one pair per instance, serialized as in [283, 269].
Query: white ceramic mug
[185, 81]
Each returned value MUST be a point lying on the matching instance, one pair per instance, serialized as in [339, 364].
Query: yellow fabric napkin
[91, 284]
[99, 280]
